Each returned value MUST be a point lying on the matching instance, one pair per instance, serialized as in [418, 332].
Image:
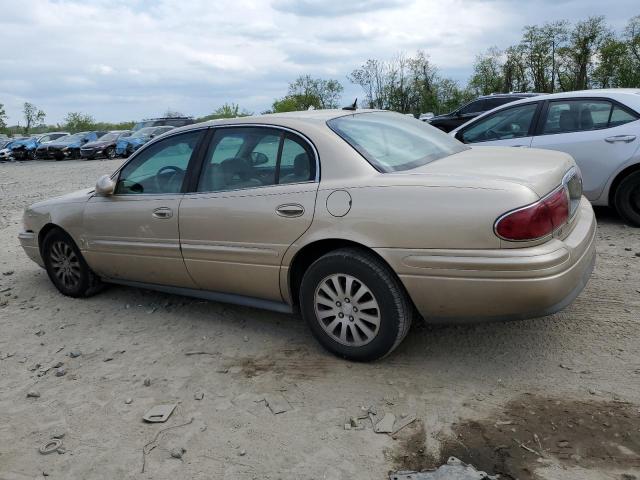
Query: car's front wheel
[66, 267]
[627, 199]
[355, 305]
[110, 153]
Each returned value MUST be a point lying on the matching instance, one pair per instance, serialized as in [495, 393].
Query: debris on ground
[53, 445]
[198, 396]
[61, 372]
[33, 394]
[152, 444]
[403, 422]
[129, 401]
[454, 469]
[385, 425]
[159, 413]
[177, 452]
[147, 382]
[277, 403]
[74, 353]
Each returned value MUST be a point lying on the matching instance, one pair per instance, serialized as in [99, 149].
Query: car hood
[540, 170]
[65, 144]
[96, 144]
[79, 196]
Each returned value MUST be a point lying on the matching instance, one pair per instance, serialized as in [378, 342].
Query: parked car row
[89, 144]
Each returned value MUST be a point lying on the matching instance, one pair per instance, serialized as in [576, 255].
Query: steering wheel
[167, 178]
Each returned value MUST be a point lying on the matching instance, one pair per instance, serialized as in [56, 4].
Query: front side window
[159, 168]
[250, 157]
[505, 124]
[392, 142]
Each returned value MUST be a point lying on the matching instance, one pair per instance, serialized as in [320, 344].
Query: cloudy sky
[128, 59]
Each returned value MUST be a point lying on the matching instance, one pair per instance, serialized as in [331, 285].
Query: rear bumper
[451, 286]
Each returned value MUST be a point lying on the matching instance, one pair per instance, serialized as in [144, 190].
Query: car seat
[300, 170]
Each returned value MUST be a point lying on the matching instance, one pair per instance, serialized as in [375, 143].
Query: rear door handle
[620, 138]
[520, 146]
[163, 213]
[290, 210]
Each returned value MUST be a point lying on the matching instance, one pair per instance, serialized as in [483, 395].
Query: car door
[511, 126]
[601, 136]
[254, 197]
[133, 234]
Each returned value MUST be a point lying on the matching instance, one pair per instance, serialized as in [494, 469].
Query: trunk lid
[540, 170]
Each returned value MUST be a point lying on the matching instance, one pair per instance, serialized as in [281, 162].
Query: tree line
[555, 56]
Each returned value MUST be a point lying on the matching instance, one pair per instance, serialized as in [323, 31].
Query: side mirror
[258, 158]
[458, 136]
[152, 135]
[105, 185]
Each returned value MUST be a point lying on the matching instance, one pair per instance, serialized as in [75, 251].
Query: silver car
[600, 129]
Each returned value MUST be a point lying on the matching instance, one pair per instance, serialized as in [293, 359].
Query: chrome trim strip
[207, 295]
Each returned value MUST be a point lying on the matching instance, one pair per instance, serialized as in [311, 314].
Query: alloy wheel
[347, 310]
[65, 264]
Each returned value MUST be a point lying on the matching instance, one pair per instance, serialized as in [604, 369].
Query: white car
[600, 129]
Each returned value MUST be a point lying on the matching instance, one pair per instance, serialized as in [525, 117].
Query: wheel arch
[314, 250]
[618, 179]
[44, 231]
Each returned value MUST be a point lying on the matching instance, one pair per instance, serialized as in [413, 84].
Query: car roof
[320, 116]
[510, 94]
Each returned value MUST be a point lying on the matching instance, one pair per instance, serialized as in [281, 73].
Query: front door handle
[620, 138]
[519, 146]
[290, 210]
[163, 213]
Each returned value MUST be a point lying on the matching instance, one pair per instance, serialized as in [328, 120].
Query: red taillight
[536, 220]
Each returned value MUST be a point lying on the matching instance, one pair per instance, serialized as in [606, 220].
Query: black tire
[394, 308]
[627, 199]
[110, 153]
[66, 267]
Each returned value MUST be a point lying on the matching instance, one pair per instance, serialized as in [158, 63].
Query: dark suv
[449, 121]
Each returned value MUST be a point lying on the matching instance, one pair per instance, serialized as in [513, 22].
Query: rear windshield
[392, 142]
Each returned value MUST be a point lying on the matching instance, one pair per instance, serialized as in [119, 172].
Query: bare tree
[32, 116]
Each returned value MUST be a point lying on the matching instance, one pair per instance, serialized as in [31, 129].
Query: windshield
[392, 142]
[109, 137]
[143, 132]
[73, 138]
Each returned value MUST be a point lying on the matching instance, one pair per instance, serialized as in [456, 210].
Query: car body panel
[433, 225]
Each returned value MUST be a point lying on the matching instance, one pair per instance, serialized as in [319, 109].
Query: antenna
[353, 106]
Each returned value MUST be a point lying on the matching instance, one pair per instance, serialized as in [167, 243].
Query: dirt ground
[549, 398]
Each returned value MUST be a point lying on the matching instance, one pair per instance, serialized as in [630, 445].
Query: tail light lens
[536, 220]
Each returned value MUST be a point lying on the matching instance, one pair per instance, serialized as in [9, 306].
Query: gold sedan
[360, 220]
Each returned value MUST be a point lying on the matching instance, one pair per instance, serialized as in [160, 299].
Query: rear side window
[392, 142]
[583, 115]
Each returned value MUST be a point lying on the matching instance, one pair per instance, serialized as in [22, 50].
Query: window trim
[543, 116]
[192, 185]
[530, 133]
[195, 158]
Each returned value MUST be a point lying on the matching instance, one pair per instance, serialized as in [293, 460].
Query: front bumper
[451, 286]
[29, 243]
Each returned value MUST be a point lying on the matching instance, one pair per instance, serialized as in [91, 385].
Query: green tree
[172, 114]
[79, 122]
[306, 92]
[228, 110]
[488, 73]
[32, 116]
[3, 118]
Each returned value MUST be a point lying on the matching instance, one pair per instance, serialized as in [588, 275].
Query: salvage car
[448, 121]
[104, 146]
[163, 121]
[127, 145]
[67, 147]
[25, 149]
[359, 219]
[600, 129]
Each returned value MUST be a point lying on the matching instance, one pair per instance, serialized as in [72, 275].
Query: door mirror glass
[105, 185]
[258, 158]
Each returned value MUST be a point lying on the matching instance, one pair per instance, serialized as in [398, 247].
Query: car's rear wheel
[627, 199]
[66, 267]
[355, 305]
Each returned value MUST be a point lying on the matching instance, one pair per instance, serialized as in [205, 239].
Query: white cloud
[127, 59]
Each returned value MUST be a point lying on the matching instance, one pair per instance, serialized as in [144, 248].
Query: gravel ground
[549, 398]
